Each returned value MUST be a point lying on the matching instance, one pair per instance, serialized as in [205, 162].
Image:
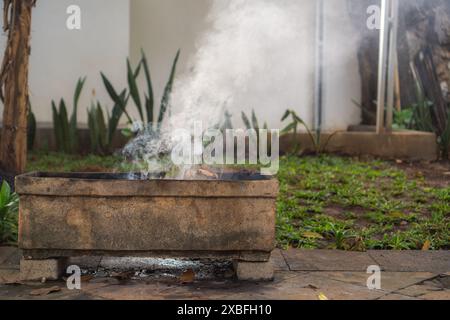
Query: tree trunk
[14, 85]
[367, 57]
[428, 27]
[422, 23]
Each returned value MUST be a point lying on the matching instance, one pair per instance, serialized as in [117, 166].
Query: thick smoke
[250, 58]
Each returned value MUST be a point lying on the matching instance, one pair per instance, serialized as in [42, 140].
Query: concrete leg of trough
[254, 271]
[37, 270]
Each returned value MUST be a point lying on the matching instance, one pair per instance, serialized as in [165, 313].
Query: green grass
[331, 202]
[58, 162]
[335, 202]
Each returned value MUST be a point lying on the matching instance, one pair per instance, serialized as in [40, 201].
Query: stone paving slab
[413, 261]
[173, 289]
[9, 276]
[287, 286]
[390, 281]
[308, 286]
[337, 275]
[327, 260]
[436, 295]
[278, 260]
[395, 296]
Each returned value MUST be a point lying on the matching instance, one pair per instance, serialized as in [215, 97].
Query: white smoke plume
[250, 57]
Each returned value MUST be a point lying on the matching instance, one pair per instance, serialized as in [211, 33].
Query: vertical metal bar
[318, 87]
[382, 64]
[393, 36]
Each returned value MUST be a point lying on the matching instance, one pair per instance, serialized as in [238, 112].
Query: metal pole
[318, 88]
[382, 64]
[392, 65]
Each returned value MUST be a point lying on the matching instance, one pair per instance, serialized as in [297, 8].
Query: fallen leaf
[188, 276]
[312, 235]
[322, 297]
[426, 245]
[45, 291]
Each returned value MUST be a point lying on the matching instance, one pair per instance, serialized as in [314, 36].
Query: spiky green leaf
[255, 121]
[134, 91]
[149, 98]
[167, 91]
[246, 121]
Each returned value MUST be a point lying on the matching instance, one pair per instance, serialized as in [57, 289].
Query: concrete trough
[66, 215]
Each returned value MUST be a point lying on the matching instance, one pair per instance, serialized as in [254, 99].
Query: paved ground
[299, 275]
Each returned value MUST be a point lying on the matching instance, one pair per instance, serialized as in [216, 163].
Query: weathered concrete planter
[68, 215]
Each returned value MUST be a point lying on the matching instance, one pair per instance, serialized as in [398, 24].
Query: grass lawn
[57, 162]
[336, 202]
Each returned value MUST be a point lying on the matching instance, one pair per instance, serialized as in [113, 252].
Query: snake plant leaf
[255, 121]
[286, 115]
[137, 71]
[63, 118]
[167, 91]
[228, 124]
[290, 127]
[57, 129]
[298, 119]
[76, 99]
[119, 100]
[113, 121]
[149, 97]
[102, 131]
[110, 89]
[246, 121]
[134, 91]
[93, 132]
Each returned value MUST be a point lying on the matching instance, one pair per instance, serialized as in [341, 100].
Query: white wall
[60, 56]
[160, 27]
[163, 26]
[342, 82]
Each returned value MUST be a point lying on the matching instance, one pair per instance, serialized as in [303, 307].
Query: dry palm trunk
[428, 28]
[14, 84]
[367, 57]
[422, 23]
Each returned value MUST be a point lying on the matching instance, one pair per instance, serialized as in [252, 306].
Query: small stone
[37, 270]
[254, 271]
